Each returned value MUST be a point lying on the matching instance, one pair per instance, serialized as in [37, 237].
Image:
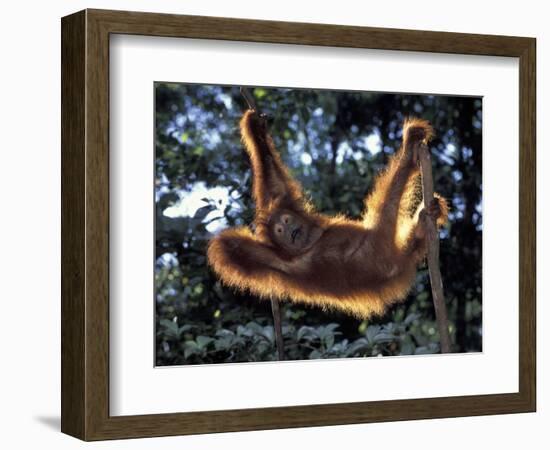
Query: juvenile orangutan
[357, 266]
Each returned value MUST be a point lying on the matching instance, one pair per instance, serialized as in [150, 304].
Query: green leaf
[372, 331]
[255, 327]
[260, 93]
[191, 348]
[358, 347]
[303, 331]
[327, 330]
[198, 151]
[383, 337]
[223, 343]
[191, 344]
[315, 354]
[407, 348]
[171, 328]
[427, 350]
[269, 333]
[329, 341]
[411, 318]
[203, 341]
[185, 328]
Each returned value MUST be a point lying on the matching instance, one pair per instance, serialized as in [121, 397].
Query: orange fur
[359, 267]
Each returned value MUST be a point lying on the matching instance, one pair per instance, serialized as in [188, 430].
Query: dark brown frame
[85, 224]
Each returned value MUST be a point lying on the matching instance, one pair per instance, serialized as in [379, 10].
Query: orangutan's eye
[279, 230]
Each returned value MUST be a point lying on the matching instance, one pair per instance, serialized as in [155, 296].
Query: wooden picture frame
[85, 224]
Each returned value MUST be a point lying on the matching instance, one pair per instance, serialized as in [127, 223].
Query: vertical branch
[249, 98]
[433, 251]
[275, 309]
[277, 325]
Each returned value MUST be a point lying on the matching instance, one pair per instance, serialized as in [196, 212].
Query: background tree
[334, 142]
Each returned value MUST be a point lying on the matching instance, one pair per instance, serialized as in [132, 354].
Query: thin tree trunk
[278, 326]
[249, 98]
[433, 252]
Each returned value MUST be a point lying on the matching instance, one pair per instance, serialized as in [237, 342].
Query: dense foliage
[334, 143]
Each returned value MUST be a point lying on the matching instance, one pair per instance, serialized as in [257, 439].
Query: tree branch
[277, 325]
[433, 251]
[249, 98]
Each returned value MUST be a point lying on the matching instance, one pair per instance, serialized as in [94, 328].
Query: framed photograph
[271, 225]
